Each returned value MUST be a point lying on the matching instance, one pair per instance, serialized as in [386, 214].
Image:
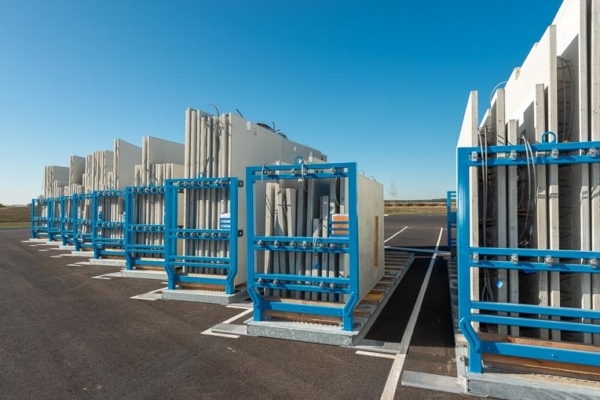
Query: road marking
[241, 306]
[238, 316]
[79, 264]
[109, 276]
[395, 234]
[150, 296]
[417, 250]
[372, 354]
[394, 377]
[210, 332]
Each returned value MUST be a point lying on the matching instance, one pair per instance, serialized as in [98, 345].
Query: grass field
[18, 217]
[14, 217]
[415, 207]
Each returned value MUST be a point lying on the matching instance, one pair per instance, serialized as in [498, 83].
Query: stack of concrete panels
[557, 90]
[125, 156]
[160, 160]
[55, 179]
[317, 209]
[223, 146]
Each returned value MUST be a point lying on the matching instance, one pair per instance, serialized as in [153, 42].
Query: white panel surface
[371, 235]
[126, 157]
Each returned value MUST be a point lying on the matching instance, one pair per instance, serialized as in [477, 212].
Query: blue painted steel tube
[570, 261]
[253, 292]
[463, 256]
[451, 217]
[233, 245]
[171, 209]
[32, 218]
[127, 231]
[35, 219]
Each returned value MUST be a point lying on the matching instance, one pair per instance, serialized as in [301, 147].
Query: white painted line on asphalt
[395, 234]
[238, 316]
[109, 276]
[211, 333]
[394, 377]
[150, 296]
[372, 354]
[417, 250]
[241, 306]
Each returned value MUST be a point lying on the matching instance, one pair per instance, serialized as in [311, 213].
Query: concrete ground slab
[204, 296]
[144, 274]
[107, 262]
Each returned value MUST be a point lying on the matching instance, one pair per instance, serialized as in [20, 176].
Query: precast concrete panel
[253, 145]
[54, 174]
[76, 170]
[520, 88]
[469, 124]
[469, 137]
[163, 151]
[370, 233]
[594, 47]
[126, 157]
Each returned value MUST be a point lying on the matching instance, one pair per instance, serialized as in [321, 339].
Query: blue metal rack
[138, 253]
[43, 219]
[68, 218]
[218, 267]
[528, 260]
[83, 225]
[345, 288]
[108, 237]
[451, 218]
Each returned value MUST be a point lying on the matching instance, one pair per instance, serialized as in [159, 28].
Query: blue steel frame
[131, 227]
[520, 259]
[451, 217]
[68, 231]
[54, 218]
[349, 244]
[173, 233]
[42, 225]
[106, 246]
[83, 240]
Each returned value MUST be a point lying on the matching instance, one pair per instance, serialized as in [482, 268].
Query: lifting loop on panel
[545, 136]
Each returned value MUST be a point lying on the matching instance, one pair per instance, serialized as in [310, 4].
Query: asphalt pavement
[67, 335]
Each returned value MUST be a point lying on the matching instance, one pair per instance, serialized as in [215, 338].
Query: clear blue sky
[383, 83]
